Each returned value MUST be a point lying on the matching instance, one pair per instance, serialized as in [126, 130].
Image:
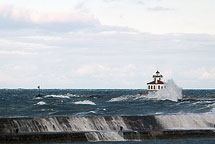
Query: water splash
[171, 92]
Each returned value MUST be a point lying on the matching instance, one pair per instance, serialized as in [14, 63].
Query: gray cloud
[14, 19]
[67, 60]
[76, 51]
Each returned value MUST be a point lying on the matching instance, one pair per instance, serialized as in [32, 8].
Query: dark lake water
[69, 102]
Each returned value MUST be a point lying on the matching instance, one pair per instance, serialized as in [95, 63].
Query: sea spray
[171, 92]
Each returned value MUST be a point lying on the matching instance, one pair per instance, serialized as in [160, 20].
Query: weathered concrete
[141, 122]
[66, 123]
[83, 128]
[127, 135]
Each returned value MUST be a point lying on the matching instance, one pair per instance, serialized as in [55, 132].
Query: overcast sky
[106, 43]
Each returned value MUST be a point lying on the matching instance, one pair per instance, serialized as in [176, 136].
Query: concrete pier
[81, 136]
[43, 137]
[106, 128]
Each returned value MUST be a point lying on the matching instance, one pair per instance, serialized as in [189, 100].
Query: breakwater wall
[106, 128]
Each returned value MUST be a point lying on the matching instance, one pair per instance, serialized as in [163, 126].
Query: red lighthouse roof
[154, 82]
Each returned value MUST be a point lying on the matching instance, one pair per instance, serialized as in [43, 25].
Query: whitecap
[38, 98]
[72, 95]
[56, 96]
[159, 113]
[41, 103]
[123, 98]
[85, 102]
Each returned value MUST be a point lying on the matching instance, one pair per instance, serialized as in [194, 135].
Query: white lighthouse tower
[157, 84]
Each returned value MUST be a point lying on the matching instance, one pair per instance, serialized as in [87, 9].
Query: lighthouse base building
[157, 84]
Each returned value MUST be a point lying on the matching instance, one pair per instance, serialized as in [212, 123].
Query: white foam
[85, 102]
[57, 96]
[41, 103]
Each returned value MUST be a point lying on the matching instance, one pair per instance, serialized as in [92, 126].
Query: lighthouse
[157, 84]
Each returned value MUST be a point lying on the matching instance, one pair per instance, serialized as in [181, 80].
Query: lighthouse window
[161, 87]
[158, 87]
[151, 87]
[148, 87]
[154, 87]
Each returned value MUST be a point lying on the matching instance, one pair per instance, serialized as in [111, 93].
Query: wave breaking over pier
[106, 128]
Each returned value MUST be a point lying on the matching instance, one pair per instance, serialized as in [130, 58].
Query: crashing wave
[56, 96]
[85, 102]
[61, 96]
[172, 92]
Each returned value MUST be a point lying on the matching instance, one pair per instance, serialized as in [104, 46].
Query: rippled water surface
[23, 102]
[55, 102]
